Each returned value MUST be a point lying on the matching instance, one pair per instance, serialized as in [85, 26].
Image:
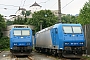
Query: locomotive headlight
[28, 43]
[67, 48]
[15, 43]
[84, 48]
[81, 43]
[66, 43]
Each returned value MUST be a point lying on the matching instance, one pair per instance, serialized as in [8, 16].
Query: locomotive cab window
[67, 29]
[77, 29]
[56, 30]
[21, 32]
[17, 32]
[72, 29]
[25, 32]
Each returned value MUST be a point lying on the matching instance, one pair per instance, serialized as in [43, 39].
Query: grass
[5, 49]
[85, 58]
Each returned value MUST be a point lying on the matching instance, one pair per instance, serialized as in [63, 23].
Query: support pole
[59, 11]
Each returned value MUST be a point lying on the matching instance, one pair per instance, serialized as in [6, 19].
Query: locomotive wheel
[60, 55]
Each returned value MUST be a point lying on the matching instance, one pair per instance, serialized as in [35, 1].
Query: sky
[9, 7]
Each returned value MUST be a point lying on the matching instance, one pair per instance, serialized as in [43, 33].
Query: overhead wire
[54, 4]
[9, 5]
[68, 4]
[21, 2]
[65, 5]
[44, 1]
[41, 2]
[24, 2]
[47, 1]
[12, 5]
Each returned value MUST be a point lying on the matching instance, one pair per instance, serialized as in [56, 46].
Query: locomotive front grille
[67, 48]
[73, 48]
[21, 47]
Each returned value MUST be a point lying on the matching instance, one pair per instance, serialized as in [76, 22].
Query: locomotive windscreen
[25, 32]
[21, 32]
[72, 29]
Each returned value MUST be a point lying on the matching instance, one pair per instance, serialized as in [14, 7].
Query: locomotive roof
[56, 26]
[68, 24]
[72, 24]
[20, 28]
[48, 28]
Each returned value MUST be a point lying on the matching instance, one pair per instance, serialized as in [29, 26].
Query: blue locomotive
[21, 41]
[61, 39]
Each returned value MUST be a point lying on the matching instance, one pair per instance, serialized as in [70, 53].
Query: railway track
[21, 57]
[26, 58]
[38, 56]
[63, 58]
[73, 59]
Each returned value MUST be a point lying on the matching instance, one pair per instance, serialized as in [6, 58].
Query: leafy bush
[4, 43]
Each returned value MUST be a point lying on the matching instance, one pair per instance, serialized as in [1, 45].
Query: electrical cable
[24, 2]
[68, 4]
[44, 2]
[54, 4]
[21, 2]
[9, 5]
[47, 1]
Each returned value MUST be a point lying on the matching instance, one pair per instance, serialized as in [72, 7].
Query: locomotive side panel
[44, 40]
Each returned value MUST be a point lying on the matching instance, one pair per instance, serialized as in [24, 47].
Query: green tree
[84, 15]
[69, 19]
[25, 14]
[2, 25]
[46, 17]
[15, 21]
[9, 22]
[19, 20]
[4, 43]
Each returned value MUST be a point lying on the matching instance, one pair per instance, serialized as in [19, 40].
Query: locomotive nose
[73, 40]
